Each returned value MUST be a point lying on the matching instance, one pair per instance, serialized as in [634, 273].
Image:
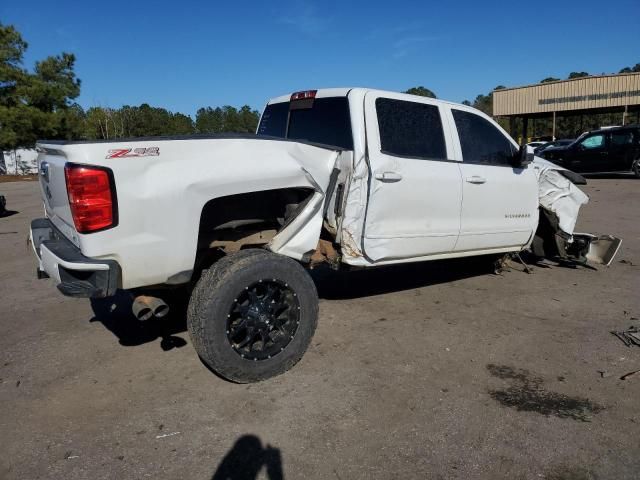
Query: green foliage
[421, 91]
[577, 75]
[53, 84]
[635, 68]
[549, 79]
[226, 119]
[38, 104]
[142, 121]
[148, 121]
[12, 48]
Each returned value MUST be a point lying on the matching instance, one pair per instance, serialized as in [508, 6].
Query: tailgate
[53, 189]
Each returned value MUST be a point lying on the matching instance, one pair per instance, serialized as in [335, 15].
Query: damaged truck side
[349, 177]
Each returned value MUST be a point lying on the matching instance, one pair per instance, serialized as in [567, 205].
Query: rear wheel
[635, 167]
[252, 315]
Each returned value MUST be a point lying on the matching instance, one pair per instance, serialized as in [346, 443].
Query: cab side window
[481, 141]
[410, 129]
[594, 141]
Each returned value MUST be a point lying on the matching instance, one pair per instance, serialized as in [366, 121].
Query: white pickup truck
[351, 177]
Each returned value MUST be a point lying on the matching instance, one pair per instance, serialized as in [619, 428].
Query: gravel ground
[436, 370]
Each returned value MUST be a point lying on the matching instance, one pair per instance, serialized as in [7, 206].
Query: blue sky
[184, 55]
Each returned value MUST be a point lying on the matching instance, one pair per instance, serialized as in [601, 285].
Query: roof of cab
[321, 93]
[343, 92]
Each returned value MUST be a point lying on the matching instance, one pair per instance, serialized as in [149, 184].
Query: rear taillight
[91, 197]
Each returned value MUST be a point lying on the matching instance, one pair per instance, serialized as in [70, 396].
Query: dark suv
[615, 149]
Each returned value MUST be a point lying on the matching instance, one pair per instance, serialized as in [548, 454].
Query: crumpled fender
[558, 195]
[301, 235]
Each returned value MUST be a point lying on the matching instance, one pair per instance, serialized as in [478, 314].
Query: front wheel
[252, 315]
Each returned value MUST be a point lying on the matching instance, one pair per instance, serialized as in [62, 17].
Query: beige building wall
[578, 94]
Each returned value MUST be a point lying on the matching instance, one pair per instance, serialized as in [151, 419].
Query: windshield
[325, 121]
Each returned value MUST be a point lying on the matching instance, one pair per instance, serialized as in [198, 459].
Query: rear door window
[481, 141]
[410, 129]
[620, 139]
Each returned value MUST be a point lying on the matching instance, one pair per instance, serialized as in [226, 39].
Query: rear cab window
[325, 121]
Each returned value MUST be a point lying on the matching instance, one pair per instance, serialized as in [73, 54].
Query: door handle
[476, 179]
[388, 176]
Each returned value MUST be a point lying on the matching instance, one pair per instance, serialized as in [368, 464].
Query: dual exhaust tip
[144, 307]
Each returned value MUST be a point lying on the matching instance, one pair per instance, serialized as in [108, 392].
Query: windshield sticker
[134, 152]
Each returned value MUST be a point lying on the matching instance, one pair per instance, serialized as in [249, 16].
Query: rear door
[500, 202]
[415, 187]
[621, 150]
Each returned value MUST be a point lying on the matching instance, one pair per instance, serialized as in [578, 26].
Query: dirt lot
[438, 370]
[18, 178]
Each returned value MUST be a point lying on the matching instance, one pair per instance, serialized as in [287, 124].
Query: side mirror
[524, 156]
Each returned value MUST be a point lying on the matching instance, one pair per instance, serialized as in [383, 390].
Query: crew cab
[613, 149]
[349, 177]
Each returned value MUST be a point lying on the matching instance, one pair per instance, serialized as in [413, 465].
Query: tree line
[41, 104]
[148, 121]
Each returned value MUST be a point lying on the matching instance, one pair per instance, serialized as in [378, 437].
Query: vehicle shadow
[116, 316]
[8, 213]
[342, 285]
[609, 176]
[247, 458]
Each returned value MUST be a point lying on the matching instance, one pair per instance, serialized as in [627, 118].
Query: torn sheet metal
[354, 204]
[302, 234]
[558, 195]
[561, 199]
[600, 249]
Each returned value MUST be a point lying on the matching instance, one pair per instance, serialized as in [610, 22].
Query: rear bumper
[75, 274]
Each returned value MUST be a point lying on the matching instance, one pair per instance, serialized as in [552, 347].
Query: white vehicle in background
[23, 161]
[536, 144]
[350, 177]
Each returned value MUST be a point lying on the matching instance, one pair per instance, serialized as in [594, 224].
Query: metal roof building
[593, 94]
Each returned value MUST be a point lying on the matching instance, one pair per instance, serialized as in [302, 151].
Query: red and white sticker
[134, 152]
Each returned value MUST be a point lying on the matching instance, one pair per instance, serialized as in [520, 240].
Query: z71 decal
[134, 152]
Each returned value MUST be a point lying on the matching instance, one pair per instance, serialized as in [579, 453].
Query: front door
[415, 189]
[500, 202]
[591, 155]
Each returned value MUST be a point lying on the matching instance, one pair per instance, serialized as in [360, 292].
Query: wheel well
[248, 219]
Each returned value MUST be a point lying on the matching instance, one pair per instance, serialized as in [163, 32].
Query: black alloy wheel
[263, 319]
